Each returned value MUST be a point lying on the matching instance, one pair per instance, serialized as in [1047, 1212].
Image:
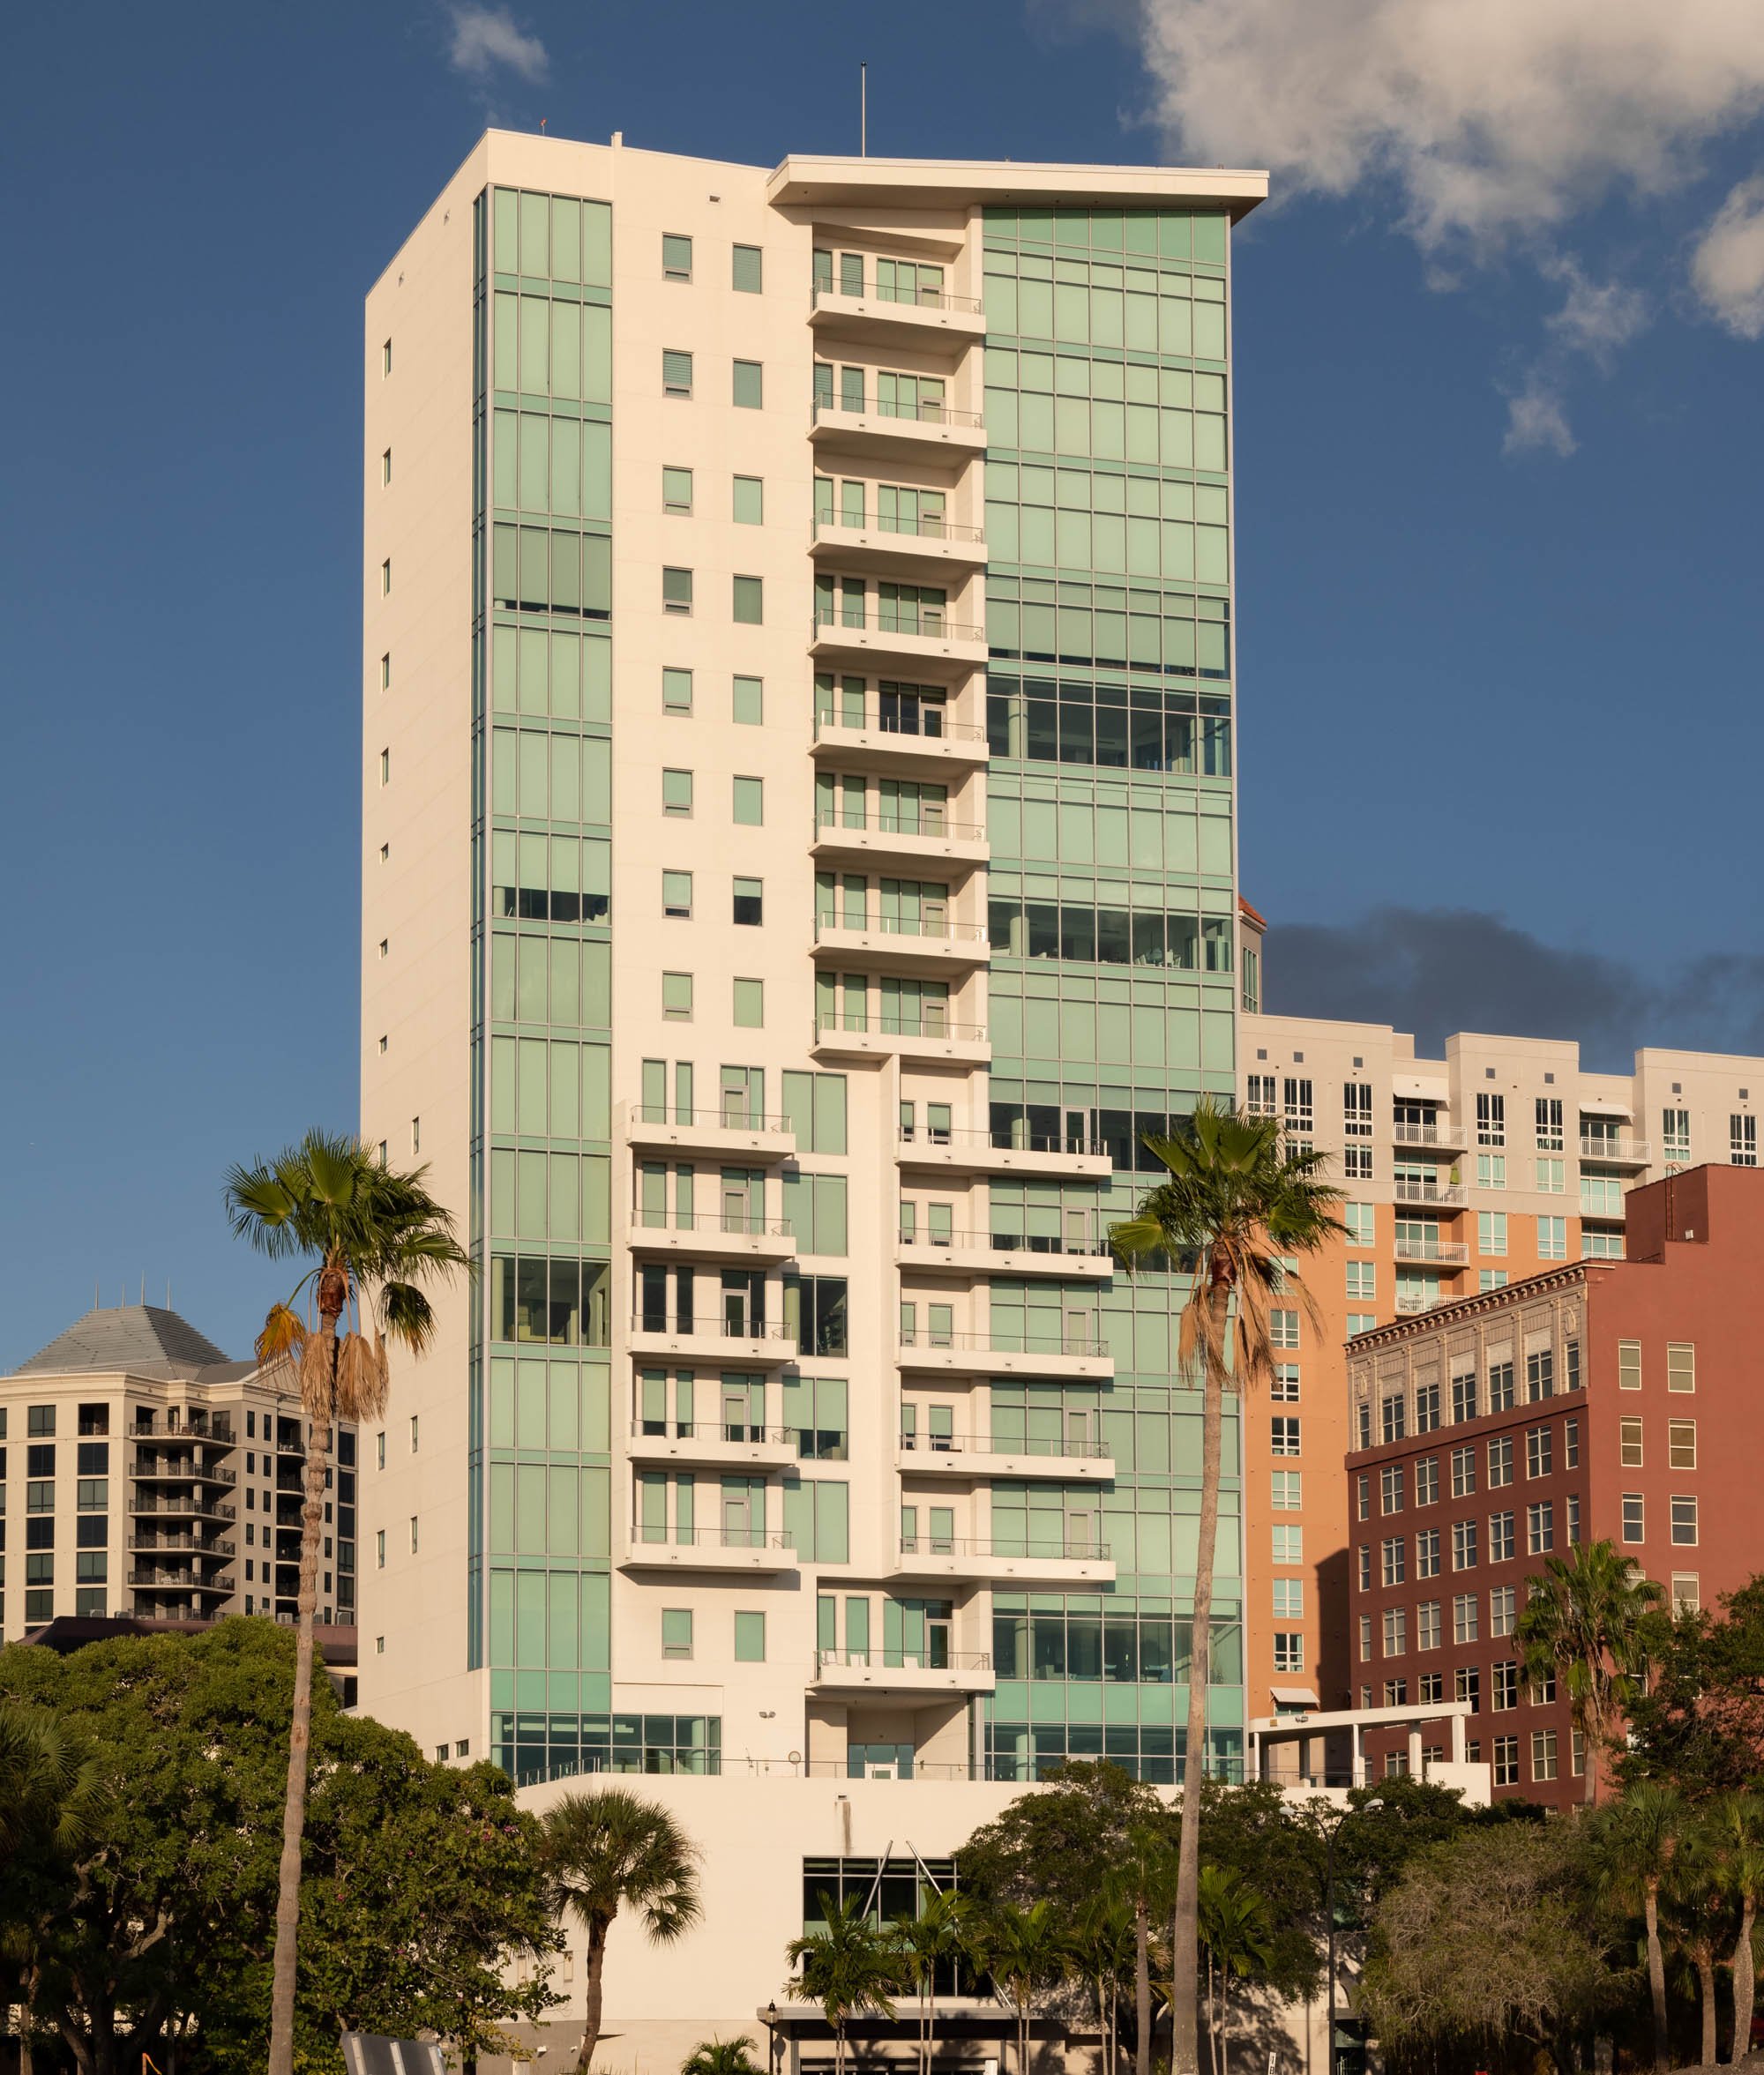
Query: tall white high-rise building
[798, 864]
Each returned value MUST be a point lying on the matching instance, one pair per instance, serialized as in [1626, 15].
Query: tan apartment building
[145, 1474]
[1494, 1164]
[799, 863]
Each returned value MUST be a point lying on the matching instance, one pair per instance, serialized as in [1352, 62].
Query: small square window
[750, 1005]
[677, 372]
[747, 275]
[750, 500]
[677, 1632]
[750, 1638]
[677, 895]
[677, 590]
[750, 802]
[748, 386]
[676, 997]
[677, 793]
[677, 257]
[676, 489]
[749, 601]
[750, 902]
[676, 692]
[750, 702]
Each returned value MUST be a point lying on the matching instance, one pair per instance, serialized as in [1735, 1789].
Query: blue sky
[1508, 679]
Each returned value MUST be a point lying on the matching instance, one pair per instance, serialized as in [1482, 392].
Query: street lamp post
[1341, 1823]
[771, 2038]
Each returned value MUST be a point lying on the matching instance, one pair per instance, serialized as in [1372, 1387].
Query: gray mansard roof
[144, 1340]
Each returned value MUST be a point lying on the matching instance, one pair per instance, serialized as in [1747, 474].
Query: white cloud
[486, 37]
[1597, 317]
[1495, 118]
[1537, 422]
[1728, 266]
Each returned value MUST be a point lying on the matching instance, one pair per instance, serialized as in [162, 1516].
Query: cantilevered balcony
[747, 1549]
[712, 1236]
[902, 1675]
[181, 1506]
[736, 1130]
[929, 1039]
[714, 1443]
[1617, 1152]
[924, 548]
[207, 1584]
[158, 1466]
[916, 643]
[957, 1151]
[974, 1456]
[879, 942]
[732, 1344]
[1077, 1354]
[917, 319]
[1010, 1253]
[1441, 1253]
[1447, 1196]
[1441, 1131]
[900, 840]
[864, 734]
[1079, 1559]
[883, 430]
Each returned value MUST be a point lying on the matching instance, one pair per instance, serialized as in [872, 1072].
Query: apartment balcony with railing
[872, 312]
[904, 1674]
[182, 1544]
[714, 1443]
[1439, 1130]
[160, 1465]
[1446, 1253]
[930, 1035]
[958, 1150]
[725, 1235]
[914, 547]
[886, 733]
[978, 1456]
[928, 637]
[743, 1342]
[746, 1549]
[1078, 1352]
[182, 1505]
[1445, 1195]
[738, 1129]
[207, 1585]
[186, 1423]
[884, 940]
[1076, 1558]
[1070, 1254]
[1617, 1152]
[926, 833]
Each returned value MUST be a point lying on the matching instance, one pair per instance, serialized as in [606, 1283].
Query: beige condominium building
[145, 1475]
[1463, 1173]
[799, 862]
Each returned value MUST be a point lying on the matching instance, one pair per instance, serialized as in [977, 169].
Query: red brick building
[1604, 1399]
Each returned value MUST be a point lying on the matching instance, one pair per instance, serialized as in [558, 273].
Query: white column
[1415, 1757]
[1457, 1740]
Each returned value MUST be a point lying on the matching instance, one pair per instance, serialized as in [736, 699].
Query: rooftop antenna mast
[864, 109]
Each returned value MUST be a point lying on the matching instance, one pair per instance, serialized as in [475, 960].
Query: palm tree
[720, 2057]
[1143, 1879]
[849, 1966]
[1236, 1930]
[1736, 1822]
[375, 1237]
[1105, 1947]
[1584, 1624]
[1023, 1950]
[1238, 1202]
[1637, 1845]
[611, 1851]
[936, 1936]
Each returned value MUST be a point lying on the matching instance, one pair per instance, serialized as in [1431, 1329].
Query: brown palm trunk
[1591, 1729]
[1142, 1988]
[333, 1291]
[1743, 1981]
[1656, 1977]
[1704, 1959]
[1183, 1986]
[594, 1970]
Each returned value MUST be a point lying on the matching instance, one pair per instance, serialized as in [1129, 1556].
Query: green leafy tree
[849, 1966]
[936, 1937]
[1637, 1841]
[1696, 1914]
[1585, 1623]
[157, 1923]
[720, 2057]
[611, 1851]
[375, 1239]
[1699, 1722]
[1143, 1877]
[1735, 1822]
[1059, 1840]
[1238, 1201]
[1025, 1950]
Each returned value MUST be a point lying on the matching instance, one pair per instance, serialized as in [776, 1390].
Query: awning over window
[1420, 1088]
[1602, 1106]
[1293, 1697]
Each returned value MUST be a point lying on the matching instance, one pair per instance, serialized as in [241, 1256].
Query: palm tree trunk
[1656, 1977]
[1704, 1966]
[333, 1294]
[1184, 2013]
[593, 1971]
[1743, 1982]
[1142, 1988]
[1592, 1734]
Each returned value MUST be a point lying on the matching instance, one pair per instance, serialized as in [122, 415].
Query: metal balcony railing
[204, 1507]
[927, 623]
[709, 1538]
[900, 1659]
[1005, 1140]
[929, 724]
[733, 1117]
[909, 298]
[919, 529]
[930, 929]
[200, 1427]
[724, 1432]
[1634, 1151]
[1448, 1253]
[1069, 1549]
[927, 819]
[710, 1328]
[742, 1224]
[181, 1545]
[933, 411]
[1083, 1345]
[1441, 1133]
[943, 1445]
[927, 1024]
[181, 1469]
[1448, 1195]
[1010, 1243]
